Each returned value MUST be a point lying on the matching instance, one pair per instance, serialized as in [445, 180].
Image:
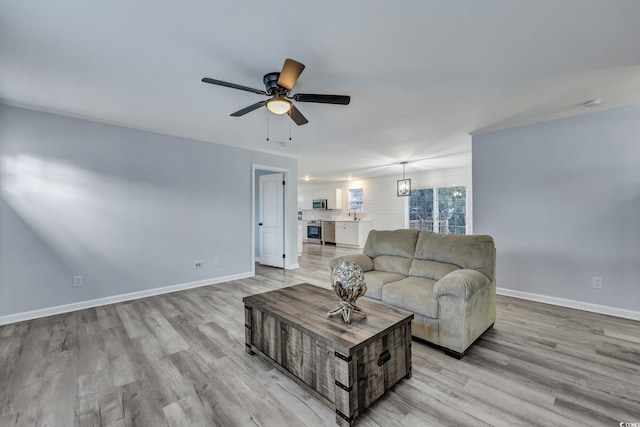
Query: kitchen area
[325, 219]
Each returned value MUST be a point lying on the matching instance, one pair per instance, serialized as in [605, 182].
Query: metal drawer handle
[385, 356]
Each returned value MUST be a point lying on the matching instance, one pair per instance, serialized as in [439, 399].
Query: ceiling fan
[278, 87]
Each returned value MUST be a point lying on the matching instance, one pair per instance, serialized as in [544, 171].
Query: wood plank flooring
[179, 360]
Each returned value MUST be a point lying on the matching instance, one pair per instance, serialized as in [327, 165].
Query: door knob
[260, 224]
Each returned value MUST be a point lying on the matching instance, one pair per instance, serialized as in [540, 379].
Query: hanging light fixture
[404, 185]
[279, 105]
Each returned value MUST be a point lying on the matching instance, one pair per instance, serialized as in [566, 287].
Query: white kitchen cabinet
[309, 197]
[347, 233]
[352, 233]
[334, 198]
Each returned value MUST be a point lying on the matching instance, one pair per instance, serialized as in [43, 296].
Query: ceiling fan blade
[323, 99]
[291, 70]
[248, 109]
[297, 116]
[233, 86]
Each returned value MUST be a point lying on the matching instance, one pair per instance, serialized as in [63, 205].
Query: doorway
[270, 219]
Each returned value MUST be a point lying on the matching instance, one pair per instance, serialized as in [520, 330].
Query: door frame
[287, 216]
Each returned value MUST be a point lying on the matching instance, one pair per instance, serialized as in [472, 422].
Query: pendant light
[404, 185]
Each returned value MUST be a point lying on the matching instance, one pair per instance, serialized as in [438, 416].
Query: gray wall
[128, 210]
[562, 200]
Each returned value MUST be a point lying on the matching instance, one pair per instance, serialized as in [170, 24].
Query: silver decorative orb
[347, 281]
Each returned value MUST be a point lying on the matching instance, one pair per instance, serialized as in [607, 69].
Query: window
[421, 209]
[452, 210]
[356, 200]
[450, 217]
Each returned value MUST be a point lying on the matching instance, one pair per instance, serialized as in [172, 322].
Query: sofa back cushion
[392, 264]
[433, 270]
[400, 243]
[391, 250]
[476, 252]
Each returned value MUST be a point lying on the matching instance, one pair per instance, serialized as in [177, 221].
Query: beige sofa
[447, 281]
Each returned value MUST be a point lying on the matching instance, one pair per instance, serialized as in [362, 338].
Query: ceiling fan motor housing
[271, 84]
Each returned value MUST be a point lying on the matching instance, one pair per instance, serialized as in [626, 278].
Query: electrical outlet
[197, 264]
[597, 282]
[216, 262]
[78, 281]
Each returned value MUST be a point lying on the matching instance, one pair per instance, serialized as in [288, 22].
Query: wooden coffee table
[346, 366]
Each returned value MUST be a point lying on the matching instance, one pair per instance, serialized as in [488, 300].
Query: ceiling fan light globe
[279, 105]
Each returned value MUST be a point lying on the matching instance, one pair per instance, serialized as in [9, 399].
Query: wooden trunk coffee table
[346, 366]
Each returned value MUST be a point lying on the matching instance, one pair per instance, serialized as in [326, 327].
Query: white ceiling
[422, 75]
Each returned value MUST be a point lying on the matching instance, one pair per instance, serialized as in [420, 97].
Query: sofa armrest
[464, 283]
[365, 263]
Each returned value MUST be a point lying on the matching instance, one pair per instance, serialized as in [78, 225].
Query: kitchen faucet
[355, 214]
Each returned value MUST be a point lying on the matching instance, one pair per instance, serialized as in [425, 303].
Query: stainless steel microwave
[320, 204]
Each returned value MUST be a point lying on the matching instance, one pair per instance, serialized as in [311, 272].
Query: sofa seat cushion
[376, 280]
[414, 294]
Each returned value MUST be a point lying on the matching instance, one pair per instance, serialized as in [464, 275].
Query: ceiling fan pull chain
[289, 130]
[267, 127]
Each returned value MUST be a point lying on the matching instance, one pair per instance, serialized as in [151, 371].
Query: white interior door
[272, 220]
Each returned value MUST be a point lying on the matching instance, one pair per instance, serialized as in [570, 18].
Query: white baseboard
[578, 305]
[66, 308]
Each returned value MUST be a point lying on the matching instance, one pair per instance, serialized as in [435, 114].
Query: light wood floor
[179, 359]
